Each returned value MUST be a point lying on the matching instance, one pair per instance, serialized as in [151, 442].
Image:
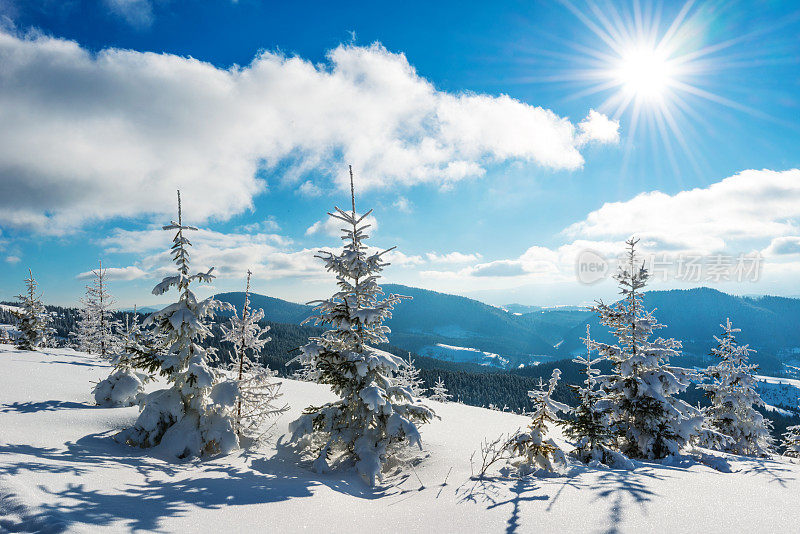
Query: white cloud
[333, 227]
[231, 255]
[598, 128]
[91, 136]
[267, 225]
[783, 246]
[116, 273]
[137, 13]
[452, 257]
[309, 189]
[739, 215]
[13, 259]
[402, 204]
[751, 205]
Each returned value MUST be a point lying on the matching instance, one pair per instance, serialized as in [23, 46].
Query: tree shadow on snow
[44, 406]
[342, 477]
[769, 468]
[519, 490]
[82, 364]
[622, 485]
[492, 490]
[168, 490]
[619, 486]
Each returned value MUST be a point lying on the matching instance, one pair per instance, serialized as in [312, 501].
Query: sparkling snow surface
[61, 472]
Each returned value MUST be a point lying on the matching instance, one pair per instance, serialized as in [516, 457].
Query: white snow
[779, 391]
[455, 353]
[61, 471]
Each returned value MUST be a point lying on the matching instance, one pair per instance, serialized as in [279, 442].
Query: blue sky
[495, 142]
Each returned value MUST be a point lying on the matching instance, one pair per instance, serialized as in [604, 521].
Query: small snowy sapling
[257, 389]
[33, 320]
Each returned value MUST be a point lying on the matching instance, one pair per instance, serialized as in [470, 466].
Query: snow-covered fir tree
[589, 427]
[791, 442]
[373, 413]
[648, 420]
[257, 389]
[33, 321]
[304, 373]
[125, 385]
[536, 449]
[731, 388]
[408, 376]
[439, 391]
[194, 415]
[97, 330]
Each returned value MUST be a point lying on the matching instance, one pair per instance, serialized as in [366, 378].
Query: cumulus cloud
[783, 246]
[333, 227]
[267, 225]
[452, 257]
[91, 136]
[309, 189]
[402, 204]
[13, 260]
[739, 215]
[116, 273]
[751, 205]
[598, 128]
[268, 256]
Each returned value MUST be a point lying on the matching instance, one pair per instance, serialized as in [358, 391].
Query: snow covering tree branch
[125, 385]
[536, 449]
[374, 411]
[192, 417]
[731, 387]
[648, 420]
[97, 331]
[589, 427]
[33, 319]
[257, 391]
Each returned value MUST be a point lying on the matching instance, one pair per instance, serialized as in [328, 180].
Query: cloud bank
[96, 136]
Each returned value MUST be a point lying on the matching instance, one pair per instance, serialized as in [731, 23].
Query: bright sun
[644, 73]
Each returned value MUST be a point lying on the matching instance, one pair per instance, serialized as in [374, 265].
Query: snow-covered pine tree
[33, 320]
[589, 427]
[192, 417]
[97, 329]
[373, 412]
[647, 419]
[791, 442]
[125, 385]
[536, 449]
[732, 391]
[304, 372]
[439, 391]
[257, 389]
[408, 376]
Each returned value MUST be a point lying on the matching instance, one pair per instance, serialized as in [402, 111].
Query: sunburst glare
[657, 74]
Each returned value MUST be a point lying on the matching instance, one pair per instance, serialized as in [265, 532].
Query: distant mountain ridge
[275, 309]
[769, 324]
[693, 316]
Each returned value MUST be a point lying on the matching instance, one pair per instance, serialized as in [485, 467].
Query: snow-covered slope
[60, 471]
[780, 391]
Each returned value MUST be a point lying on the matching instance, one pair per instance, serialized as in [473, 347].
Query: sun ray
[656, 70]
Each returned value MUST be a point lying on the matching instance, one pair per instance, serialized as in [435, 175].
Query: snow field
[61, 472]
